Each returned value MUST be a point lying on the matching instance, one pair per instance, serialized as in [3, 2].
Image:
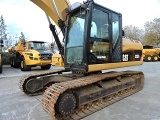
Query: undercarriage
[75, 97]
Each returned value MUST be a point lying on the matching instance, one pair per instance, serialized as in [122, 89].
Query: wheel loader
[30, 54]
[93, 43]
[151, 54]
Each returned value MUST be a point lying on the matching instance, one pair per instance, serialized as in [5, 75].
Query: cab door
[105, 42]
[99, 41]
[116, 42]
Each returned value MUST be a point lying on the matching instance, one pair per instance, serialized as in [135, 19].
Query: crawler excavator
[93, 42]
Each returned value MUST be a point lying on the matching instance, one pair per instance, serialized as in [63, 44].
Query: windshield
[75, 38]
[37, 45]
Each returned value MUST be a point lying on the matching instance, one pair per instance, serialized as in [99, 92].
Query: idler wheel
[66, 104]
[33, 85]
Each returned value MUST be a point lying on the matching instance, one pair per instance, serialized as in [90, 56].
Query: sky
[24, 16]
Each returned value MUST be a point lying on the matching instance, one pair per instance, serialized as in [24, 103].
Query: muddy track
[51, 95]
[26, 78]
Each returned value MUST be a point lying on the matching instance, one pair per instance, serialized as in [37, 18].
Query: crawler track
[23, 81]
[52, 94]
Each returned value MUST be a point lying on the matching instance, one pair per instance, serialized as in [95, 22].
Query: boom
[54, 8]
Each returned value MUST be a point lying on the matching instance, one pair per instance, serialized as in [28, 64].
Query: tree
[3, 29]
[22, 37]
[3, 35]
[133, 32]
[152, 32]
[11, 41]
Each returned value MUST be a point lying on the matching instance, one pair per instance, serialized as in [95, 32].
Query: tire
[154, 58]
[14, 62]
[147, 58]
[0, 68]
[46, 67]
[23, 66]
[11, 62]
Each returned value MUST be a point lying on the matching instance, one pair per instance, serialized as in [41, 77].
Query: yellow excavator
[93, 42]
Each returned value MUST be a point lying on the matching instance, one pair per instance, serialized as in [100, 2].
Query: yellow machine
[158, 52]
[150, 53]
[57, 60]
[93, 42]
[30, 54]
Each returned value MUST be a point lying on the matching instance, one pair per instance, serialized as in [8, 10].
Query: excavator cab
[93, 36]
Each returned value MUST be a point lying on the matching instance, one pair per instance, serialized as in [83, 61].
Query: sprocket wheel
[66, 103]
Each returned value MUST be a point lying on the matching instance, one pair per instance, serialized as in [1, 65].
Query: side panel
[57, 60]
[130, 45]
[106, 66]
